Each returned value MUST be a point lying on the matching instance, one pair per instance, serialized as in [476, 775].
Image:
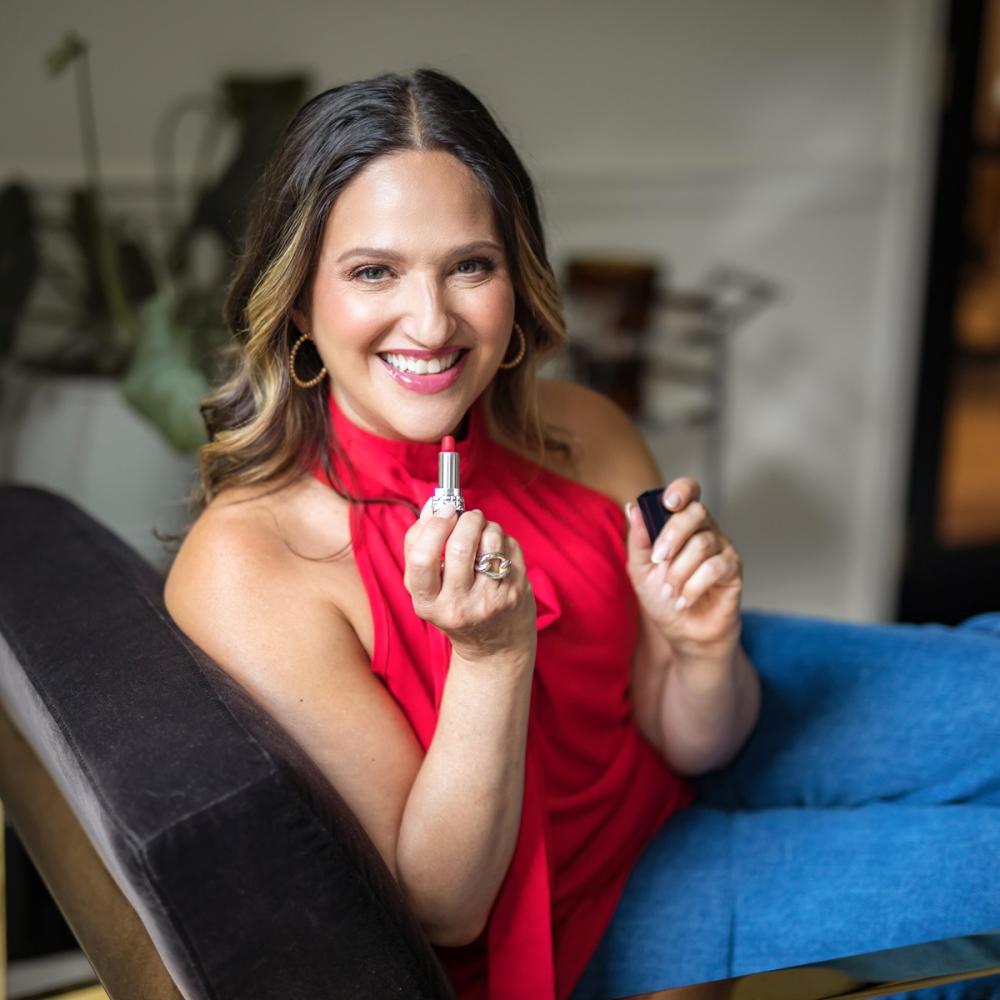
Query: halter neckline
[401, 467]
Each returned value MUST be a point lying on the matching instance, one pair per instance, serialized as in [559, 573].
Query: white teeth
[420, 367]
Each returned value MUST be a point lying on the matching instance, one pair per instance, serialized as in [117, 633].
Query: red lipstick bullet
[448, 490]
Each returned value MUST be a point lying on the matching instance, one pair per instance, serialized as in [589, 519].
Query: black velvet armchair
[194, 849]
[198, 852]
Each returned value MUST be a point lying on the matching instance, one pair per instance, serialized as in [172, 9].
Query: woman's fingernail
[680, 603]
[628, 510]
[673, 500]
[663, 549]
[427, 508]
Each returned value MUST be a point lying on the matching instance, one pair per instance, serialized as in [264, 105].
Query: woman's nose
[431, 321]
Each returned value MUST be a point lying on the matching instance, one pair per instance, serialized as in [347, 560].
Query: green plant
[144, 342]
[131, 311]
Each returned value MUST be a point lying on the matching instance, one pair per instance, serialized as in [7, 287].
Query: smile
[415, 366]
[425, 375]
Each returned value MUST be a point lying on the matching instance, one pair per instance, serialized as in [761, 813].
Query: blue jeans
[863, 813]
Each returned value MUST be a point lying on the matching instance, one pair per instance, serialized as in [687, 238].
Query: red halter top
[594, 790]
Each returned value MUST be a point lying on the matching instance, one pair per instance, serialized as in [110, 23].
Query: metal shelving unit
[681, 361]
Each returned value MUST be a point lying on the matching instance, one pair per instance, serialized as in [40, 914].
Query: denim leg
[857, 713]
[815, 884]
[720, 894]
[987, 621]
[672, 923]
[829, 834]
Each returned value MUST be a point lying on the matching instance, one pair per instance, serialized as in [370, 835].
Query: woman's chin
[424, 420]
[431, 431]
[426, 415]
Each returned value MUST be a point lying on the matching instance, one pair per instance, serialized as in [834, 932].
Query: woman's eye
[371, 267]
[485, 263]
[367, 277]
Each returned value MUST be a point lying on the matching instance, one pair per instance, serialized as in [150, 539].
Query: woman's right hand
[482, 617]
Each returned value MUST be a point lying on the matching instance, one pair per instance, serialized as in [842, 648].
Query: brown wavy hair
[262, 429]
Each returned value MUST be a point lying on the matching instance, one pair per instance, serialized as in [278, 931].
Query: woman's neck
[463, 429]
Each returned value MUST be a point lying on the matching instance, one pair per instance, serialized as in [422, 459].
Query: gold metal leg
[86, 993]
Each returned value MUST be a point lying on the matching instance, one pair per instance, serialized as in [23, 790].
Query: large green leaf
[162, 382]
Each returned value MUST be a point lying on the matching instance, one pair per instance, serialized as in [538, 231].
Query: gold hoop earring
[520, 353]
[291, 366]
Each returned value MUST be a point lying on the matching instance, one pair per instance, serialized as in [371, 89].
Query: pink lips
[427, 383]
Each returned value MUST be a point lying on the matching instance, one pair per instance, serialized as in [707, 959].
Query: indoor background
[784, 153]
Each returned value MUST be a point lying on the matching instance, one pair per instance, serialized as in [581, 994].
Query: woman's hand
[482, 617]
[691, 562]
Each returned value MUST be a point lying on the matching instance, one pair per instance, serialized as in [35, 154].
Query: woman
[513, 701]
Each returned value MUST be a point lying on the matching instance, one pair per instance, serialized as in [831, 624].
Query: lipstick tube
[448, 490]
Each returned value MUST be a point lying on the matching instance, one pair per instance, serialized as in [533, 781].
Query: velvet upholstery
[229, 857]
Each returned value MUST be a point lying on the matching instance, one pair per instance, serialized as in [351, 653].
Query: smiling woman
[395, 290]
[514, 743]
[395, 239]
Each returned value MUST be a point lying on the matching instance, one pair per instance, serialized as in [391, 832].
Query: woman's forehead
[411, 196]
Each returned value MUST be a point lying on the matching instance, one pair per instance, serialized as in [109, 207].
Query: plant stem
[88, 123]
[122, 319]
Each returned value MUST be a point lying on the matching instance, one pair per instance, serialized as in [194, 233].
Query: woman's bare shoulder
[612, 456]
[286, 532]
[304, 515]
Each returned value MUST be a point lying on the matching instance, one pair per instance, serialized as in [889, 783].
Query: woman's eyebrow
[392, 255]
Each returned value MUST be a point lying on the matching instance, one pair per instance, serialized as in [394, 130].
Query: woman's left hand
[693, 562]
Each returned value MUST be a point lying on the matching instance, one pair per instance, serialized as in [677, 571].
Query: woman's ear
[300, 319]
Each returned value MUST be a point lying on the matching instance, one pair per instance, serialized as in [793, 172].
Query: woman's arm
[463, 813]
[707, 711]
[697, 715]
[446, 822]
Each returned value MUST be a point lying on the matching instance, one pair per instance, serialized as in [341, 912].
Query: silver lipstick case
[448, 491]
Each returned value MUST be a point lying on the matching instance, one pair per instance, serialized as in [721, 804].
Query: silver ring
[484, 565]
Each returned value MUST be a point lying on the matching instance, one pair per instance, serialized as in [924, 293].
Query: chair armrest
[246, 868]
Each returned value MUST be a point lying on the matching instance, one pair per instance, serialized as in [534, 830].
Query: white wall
[792, 138]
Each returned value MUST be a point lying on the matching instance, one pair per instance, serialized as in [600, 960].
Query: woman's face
[427, 291]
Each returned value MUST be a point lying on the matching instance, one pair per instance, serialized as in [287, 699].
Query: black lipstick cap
[653, 512]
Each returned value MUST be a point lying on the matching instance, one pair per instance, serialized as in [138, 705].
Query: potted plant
[107, 412]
